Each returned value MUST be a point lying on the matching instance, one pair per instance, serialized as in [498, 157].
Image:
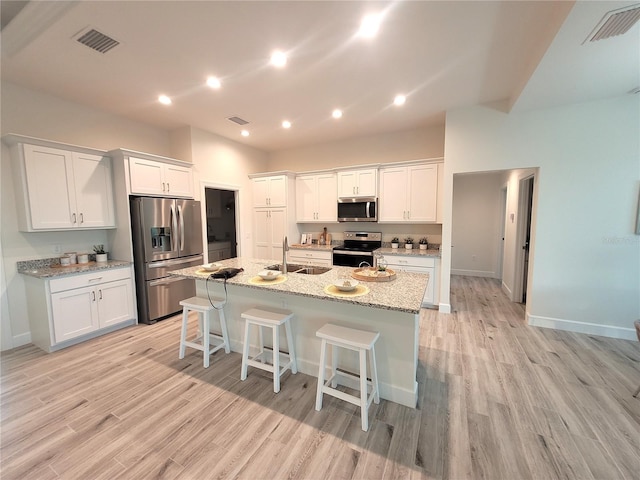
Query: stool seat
[352, 339]
[273, 319]
[348, 336]
[205, 341]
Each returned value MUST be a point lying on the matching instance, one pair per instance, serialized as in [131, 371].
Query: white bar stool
[206, 341]
[361, 342]
[272, 319]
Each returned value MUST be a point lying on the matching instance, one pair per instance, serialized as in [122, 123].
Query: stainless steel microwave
[358, 209]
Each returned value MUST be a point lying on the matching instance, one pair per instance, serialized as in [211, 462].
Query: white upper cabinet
[270, 191]
[316, 198]
[149, 177]
[63, 189]
[409, 194]
[358, 183]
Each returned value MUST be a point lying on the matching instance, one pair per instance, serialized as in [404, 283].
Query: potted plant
[395, 242]
[408, 243]
[423, 243]
[101, 255]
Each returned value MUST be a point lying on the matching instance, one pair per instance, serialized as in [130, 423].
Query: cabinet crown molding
[12, 139]
[287, 173]
[124, 152]
[378, 166]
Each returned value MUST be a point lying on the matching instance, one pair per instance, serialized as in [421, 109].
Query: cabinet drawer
[410, 260]
[89, 279]
[309, 255]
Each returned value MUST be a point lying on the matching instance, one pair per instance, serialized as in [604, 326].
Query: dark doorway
[527, 185]
[221, 224]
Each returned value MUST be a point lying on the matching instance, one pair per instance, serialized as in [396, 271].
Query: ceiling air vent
[615, 22]
[237, 120]
[97, 41]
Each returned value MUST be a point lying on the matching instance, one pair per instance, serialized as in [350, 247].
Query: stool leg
[374, 374]
[323, 349]
[276, 360]
[200, 326]
[225, 333]
[292, 350]
[261, 343]
[364, 413]
[334, 366]
[183, 333]
[206, 327]
[245, 352]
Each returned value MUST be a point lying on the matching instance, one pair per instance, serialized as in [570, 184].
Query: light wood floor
[498, 400]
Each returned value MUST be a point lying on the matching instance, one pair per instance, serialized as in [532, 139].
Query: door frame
[204, 184]
[521, 234]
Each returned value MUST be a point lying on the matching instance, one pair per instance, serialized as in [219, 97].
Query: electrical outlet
[57, 249]
[283, 303]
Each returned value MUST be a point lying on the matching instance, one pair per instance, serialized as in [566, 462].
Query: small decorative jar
[101, 257]
[83, 258]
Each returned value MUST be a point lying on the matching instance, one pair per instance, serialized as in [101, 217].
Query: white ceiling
[443, 55]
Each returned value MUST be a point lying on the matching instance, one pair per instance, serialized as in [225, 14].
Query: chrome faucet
[285, 249]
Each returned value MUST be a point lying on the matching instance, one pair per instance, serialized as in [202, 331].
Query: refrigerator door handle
[165, 281]
[181, 218]
[174, 228]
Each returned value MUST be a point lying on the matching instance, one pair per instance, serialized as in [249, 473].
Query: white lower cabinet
[419, 264]
[310, 257]
[68, 308]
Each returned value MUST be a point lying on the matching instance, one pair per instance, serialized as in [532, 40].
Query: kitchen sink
[304, 269]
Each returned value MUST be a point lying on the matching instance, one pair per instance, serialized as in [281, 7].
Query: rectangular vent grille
[615, 23]
[98, 41]
[237, 120]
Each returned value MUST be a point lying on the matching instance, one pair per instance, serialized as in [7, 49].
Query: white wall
[476, 229]
[423, 143]
[226, 164]
[36, 114]
[585, 258]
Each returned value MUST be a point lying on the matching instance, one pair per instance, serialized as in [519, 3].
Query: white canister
[65, 261]
[73, 257]
[83, 258]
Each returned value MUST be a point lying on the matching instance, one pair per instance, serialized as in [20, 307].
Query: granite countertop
[413, 252]
[403, 294]
[43, 269]
[315, 246]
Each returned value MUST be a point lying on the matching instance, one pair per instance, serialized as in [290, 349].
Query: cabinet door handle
[100, 291]
[82, 218]
[93, 294]
[73, 216]
[94, 279]
[167, 186]
[163, 186]
[402, 261]
[408, 214]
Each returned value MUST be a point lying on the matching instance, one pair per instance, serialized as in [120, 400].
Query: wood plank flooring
[497, 400]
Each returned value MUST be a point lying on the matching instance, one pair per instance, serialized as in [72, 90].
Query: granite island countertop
[404, 294]
[413, 252]
[46, 271]
[315, 246]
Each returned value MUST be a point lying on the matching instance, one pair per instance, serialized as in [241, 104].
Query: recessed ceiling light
[286, 124]
[337, 113]
[370, 25]
[244, 133]
[214, 82]
[163, 99]
[399, 100]
[278, 58]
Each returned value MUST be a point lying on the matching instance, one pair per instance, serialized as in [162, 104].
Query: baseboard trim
[474, 273]
[583, 327]
[507, 291]
[22, 339]
[444, 308]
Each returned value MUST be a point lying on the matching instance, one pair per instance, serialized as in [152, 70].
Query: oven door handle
[351, 252]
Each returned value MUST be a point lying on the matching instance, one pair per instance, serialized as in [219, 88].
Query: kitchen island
[391, 308]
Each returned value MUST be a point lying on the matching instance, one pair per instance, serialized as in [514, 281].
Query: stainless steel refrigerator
[167, 235]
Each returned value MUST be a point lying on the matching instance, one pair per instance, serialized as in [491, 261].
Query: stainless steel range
[358, 247]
